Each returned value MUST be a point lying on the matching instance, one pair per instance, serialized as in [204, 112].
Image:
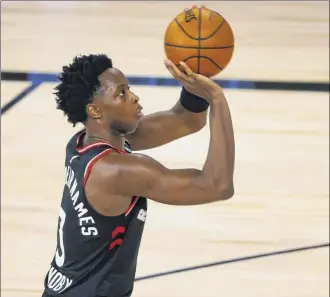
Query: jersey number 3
[60, 253]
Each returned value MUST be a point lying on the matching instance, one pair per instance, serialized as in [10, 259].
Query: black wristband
[192, 102]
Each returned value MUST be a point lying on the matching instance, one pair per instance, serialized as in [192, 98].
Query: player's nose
[135, 99]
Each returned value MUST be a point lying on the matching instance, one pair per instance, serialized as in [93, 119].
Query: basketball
[201, 38]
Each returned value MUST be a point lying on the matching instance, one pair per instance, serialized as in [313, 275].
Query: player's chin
[134, 125]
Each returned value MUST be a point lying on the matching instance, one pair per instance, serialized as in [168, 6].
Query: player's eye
[123, 92]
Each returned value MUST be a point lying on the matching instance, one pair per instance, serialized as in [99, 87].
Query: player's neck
[114, 138]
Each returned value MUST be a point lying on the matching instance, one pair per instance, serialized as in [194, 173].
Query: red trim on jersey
[84, 149]
[118, 230]
[129, 209]
[116, 242]
[92, 162]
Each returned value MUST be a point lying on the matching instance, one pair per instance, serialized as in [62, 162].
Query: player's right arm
[139, 175]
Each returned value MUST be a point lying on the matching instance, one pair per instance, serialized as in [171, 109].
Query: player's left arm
[162, 127]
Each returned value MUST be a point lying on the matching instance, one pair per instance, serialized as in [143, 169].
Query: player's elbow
[226, 192]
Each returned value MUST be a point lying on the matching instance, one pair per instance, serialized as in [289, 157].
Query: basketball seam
[199, 39]
[221, 24]
[183, 30]
[201, 47]
[202, 38]
[205, 57]
[216, 30]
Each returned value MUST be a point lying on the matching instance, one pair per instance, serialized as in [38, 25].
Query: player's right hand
[194, 83]
[194, 6]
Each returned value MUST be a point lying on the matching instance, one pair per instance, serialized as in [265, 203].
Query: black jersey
[96, 255]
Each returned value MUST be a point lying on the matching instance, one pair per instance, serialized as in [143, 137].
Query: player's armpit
[139, 175]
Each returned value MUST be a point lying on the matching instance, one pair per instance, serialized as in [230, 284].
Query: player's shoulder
[113, 159]
[116, 165]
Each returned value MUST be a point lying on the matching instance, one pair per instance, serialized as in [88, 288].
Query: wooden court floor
[282, 148]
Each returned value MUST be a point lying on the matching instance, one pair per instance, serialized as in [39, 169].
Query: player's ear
[93, 111]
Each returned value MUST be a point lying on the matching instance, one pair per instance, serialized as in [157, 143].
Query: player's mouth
[139, 112]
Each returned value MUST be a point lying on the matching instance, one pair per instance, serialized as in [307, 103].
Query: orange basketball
[201, 38]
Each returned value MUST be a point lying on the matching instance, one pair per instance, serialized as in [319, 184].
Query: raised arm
[138, 175]
[186, 117]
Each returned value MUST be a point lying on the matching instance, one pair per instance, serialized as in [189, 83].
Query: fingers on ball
[185, 67]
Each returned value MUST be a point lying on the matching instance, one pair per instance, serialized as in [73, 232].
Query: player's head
[91, 90]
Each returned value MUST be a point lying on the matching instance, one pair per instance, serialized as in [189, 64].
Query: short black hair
[79, 82]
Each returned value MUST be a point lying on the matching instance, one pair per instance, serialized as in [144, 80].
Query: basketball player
[104, 203]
